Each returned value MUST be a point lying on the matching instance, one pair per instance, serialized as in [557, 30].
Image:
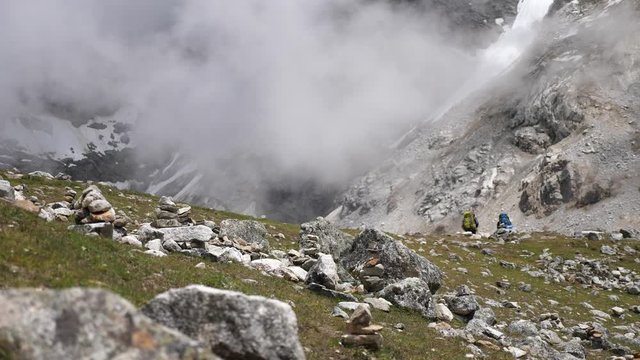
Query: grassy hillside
[39, 254]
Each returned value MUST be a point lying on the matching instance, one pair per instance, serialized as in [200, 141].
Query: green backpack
[469, 221]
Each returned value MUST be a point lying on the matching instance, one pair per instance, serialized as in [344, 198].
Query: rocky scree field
[531, 296]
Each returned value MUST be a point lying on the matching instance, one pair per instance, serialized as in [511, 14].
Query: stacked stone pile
[360, 331]
[93, 213]
[93, 207]
[169, 214]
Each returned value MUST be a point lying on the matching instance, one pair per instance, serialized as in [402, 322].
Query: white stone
[155, 245]
[351, 305]
[443, 313]
[155, 253]
[130, 240]
[268, 265]
[379, 304]
[300, 272]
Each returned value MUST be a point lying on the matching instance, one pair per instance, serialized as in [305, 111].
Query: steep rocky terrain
[553, 141]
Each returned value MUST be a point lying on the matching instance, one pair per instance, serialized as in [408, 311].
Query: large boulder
[399, 262]
[322, 236]
[324, 272]
[6, 191]
[185, 234]
[411, 293]
[249, 231]
[85, 324]
[236, 326]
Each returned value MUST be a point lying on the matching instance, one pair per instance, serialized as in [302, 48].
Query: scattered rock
[617, 311]
[130, 240]
[410, 293]
[337, 312]
[523, 328]
[463, 303]
[248, 231]
[187, 234]
[607, 250]
[319, 289]
[6, 191]
[104, 229]
[379, 304]
[324, 272]
[443, 313]
[234, 325]
[155, 253]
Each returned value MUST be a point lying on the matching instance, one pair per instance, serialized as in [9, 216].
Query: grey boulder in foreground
[85, 324]
[234, 325]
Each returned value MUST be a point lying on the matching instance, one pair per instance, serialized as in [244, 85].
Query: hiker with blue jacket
[504, 222]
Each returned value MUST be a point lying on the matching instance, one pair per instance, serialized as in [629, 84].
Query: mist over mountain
[265, 108]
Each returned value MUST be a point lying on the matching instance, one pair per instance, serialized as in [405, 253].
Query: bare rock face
[249, 231]
[86, 324]
[557, 182]
[234, 325]
[398, 261]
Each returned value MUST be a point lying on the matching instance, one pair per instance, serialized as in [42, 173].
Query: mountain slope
[553, 141]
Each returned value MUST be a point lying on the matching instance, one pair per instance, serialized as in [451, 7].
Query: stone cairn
[360, 331]
[93, 213]
[168, 214]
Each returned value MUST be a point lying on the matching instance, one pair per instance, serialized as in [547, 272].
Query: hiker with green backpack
[470, 222]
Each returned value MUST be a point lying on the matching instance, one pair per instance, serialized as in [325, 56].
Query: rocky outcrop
[234, 325]
[373, 247]
[85, 324]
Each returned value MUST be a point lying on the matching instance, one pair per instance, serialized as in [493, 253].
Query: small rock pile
[93, 213]
[69, 195]
[92, 207]
[360, 331]
[168, 214]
